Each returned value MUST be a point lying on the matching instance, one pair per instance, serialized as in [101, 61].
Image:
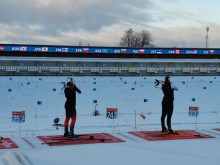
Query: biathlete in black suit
[167, 105]
[70, 106]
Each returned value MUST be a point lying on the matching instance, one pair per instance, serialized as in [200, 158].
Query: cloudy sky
[172, 23]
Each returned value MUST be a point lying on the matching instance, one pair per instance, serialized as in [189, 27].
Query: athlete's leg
[66, 132]
[73, 121]
[163, 116]
[169, 115]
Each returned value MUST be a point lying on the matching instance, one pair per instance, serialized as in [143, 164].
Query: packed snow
[42, 99]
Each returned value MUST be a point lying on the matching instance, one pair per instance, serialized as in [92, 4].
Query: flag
[123, 51]
[1, 48]
[143, 116]
[44, 49]
[177, 51]
[85, 50]
[211, 52]
[141, 51]
[23, 48]
[194, 52]
[159, 52]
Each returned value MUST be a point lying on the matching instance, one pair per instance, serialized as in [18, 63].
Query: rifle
[157, 82]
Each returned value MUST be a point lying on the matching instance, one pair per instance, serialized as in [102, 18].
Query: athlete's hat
[167, 78]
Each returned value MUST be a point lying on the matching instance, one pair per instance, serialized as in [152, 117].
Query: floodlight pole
[207, 37]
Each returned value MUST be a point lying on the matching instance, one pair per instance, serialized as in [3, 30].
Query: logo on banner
[44, 49]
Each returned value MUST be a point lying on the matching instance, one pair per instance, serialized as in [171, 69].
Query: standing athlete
[70, 106]
[167, 105]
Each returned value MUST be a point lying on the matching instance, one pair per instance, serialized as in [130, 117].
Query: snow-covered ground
[43, 100]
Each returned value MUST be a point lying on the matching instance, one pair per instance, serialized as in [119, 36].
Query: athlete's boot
[170, 131]
[66, 132]
[164, 130]
[71, 131]
[72, 135]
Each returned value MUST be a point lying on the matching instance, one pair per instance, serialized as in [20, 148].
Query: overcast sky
[172, 23]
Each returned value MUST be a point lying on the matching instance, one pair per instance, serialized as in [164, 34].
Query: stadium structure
[59, 60]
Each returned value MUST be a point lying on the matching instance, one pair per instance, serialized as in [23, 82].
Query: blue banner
[108, 50]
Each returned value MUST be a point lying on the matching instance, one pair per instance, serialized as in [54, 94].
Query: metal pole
[113, 125]
[196, 123]
[135, 122]
[20, 129]
[207, 37]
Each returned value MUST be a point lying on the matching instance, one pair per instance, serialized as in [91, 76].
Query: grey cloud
[28, 21]
[90, 17]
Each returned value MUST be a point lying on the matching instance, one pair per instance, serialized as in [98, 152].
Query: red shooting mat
[7, 143]
[59, 140]
[182, 134]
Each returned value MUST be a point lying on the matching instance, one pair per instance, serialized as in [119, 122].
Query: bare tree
[145, 38]
[132, 39]
[126, 40]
